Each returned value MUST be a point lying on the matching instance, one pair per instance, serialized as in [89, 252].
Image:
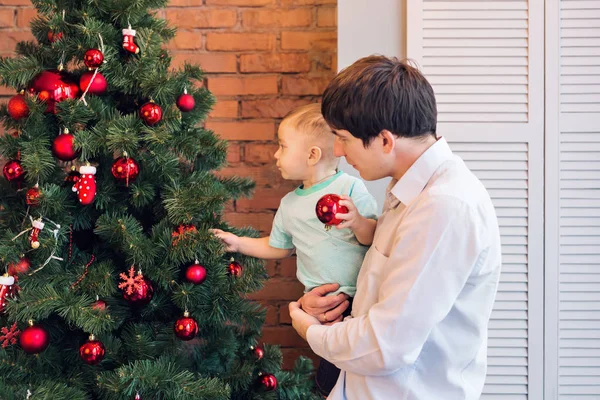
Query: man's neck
[408, 152]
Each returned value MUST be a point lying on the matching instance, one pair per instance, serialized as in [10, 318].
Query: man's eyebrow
[334, 132]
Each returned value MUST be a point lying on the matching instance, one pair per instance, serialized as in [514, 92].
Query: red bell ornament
[151, 113]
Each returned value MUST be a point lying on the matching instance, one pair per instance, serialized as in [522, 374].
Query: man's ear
[388, 141]
[314, 155]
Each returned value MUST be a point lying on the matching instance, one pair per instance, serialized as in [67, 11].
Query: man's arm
[436, 250]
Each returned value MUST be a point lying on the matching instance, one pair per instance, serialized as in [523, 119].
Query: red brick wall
[262, 58]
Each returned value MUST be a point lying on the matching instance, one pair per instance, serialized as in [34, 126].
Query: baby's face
[292, 154]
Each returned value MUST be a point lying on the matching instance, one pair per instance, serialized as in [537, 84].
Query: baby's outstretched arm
[363, 228]
[254, 247]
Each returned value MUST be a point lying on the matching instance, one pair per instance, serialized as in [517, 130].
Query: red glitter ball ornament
[327, 207]
[186, 328]
[93, 58]
[92, 351]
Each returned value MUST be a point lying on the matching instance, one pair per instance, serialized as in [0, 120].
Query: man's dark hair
[377, 93]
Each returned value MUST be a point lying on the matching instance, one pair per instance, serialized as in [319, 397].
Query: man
[425, 292]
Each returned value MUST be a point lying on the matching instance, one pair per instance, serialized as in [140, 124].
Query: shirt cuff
[314, 336]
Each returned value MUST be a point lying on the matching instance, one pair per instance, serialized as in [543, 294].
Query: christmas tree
[114, 287]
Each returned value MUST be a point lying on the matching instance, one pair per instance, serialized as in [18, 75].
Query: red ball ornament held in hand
[63, 147]
[93, 82]
[195, 273]
[92, 352]
[186, 328]
[34, 339]
[151, 113]
[18, 108]
[327, 207]
[186, 102]
[13, 171]
[93, 58]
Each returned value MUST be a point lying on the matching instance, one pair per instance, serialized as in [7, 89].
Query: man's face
[367, 161]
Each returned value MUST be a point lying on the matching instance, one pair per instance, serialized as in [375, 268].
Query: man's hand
[230, 240]
[327, 309]
[301, 321]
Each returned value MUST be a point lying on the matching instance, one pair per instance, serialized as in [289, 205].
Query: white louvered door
[573, 200]
[485, 61]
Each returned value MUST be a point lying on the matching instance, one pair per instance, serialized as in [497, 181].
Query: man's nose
[338, 149]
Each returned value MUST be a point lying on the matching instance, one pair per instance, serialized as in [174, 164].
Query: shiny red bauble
[13, 170]
[195, 273]
[259, 352]
[34, 339]
[327, 207]
[32, 196]
[268, 382]
[20, 267]
[186, 102]
[125, 169]
[99, 305]
[142, 295]
[93, 58]
[53, 87]
[17, 107]
[97, 85]
[186, 328]
[63, 147]
[92, 351]
[151, 113]
[234, 269]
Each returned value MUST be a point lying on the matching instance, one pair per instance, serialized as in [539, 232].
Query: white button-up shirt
[425, 291]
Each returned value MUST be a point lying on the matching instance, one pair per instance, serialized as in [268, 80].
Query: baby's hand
[352, 218]
[230, 240]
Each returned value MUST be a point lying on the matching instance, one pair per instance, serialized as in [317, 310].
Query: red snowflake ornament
[9, 336]
[133, 282]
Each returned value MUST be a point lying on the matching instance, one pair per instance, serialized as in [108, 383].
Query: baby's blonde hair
[308, 120]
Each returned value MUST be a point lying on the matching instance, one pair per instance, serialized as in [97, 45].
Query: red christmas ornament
[234, 269]
[258, 351]
[9, 336]
[137, 289]
[93, 58]
[99, 305]
[20, 267]
[182, 231]
[54, 87]
[186, 328]
[32, 196]
[54, 36]
[34, 339]
[17, 107]
[36, 227]
[268, 382]
[13, 171]
[92, 351]
[125, 169]
[151, 113]
[72, 177]
[137, 397]
[8, 290]
[96, 86]
[195, 273]
[63, 147]
[186, 102]
[128, 43]
[86, 184]
[327, 207]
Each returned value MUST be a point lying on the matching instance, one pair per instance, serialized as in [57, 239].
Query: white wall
[370, 27]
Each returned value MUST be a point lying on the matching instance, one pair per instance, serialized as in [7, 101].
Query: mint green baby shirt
[323, 256]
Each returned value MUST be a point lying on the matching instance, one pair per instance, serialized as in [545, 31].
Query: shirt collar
[412, 183]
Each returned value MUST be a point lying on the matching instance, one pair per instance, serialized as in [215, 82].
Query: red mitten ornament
[36, 227]
[128, 43]
[8, 290]
[86, 184]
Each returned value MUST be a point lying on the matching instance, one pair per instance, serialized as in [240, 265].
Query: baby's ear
[314, 155]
